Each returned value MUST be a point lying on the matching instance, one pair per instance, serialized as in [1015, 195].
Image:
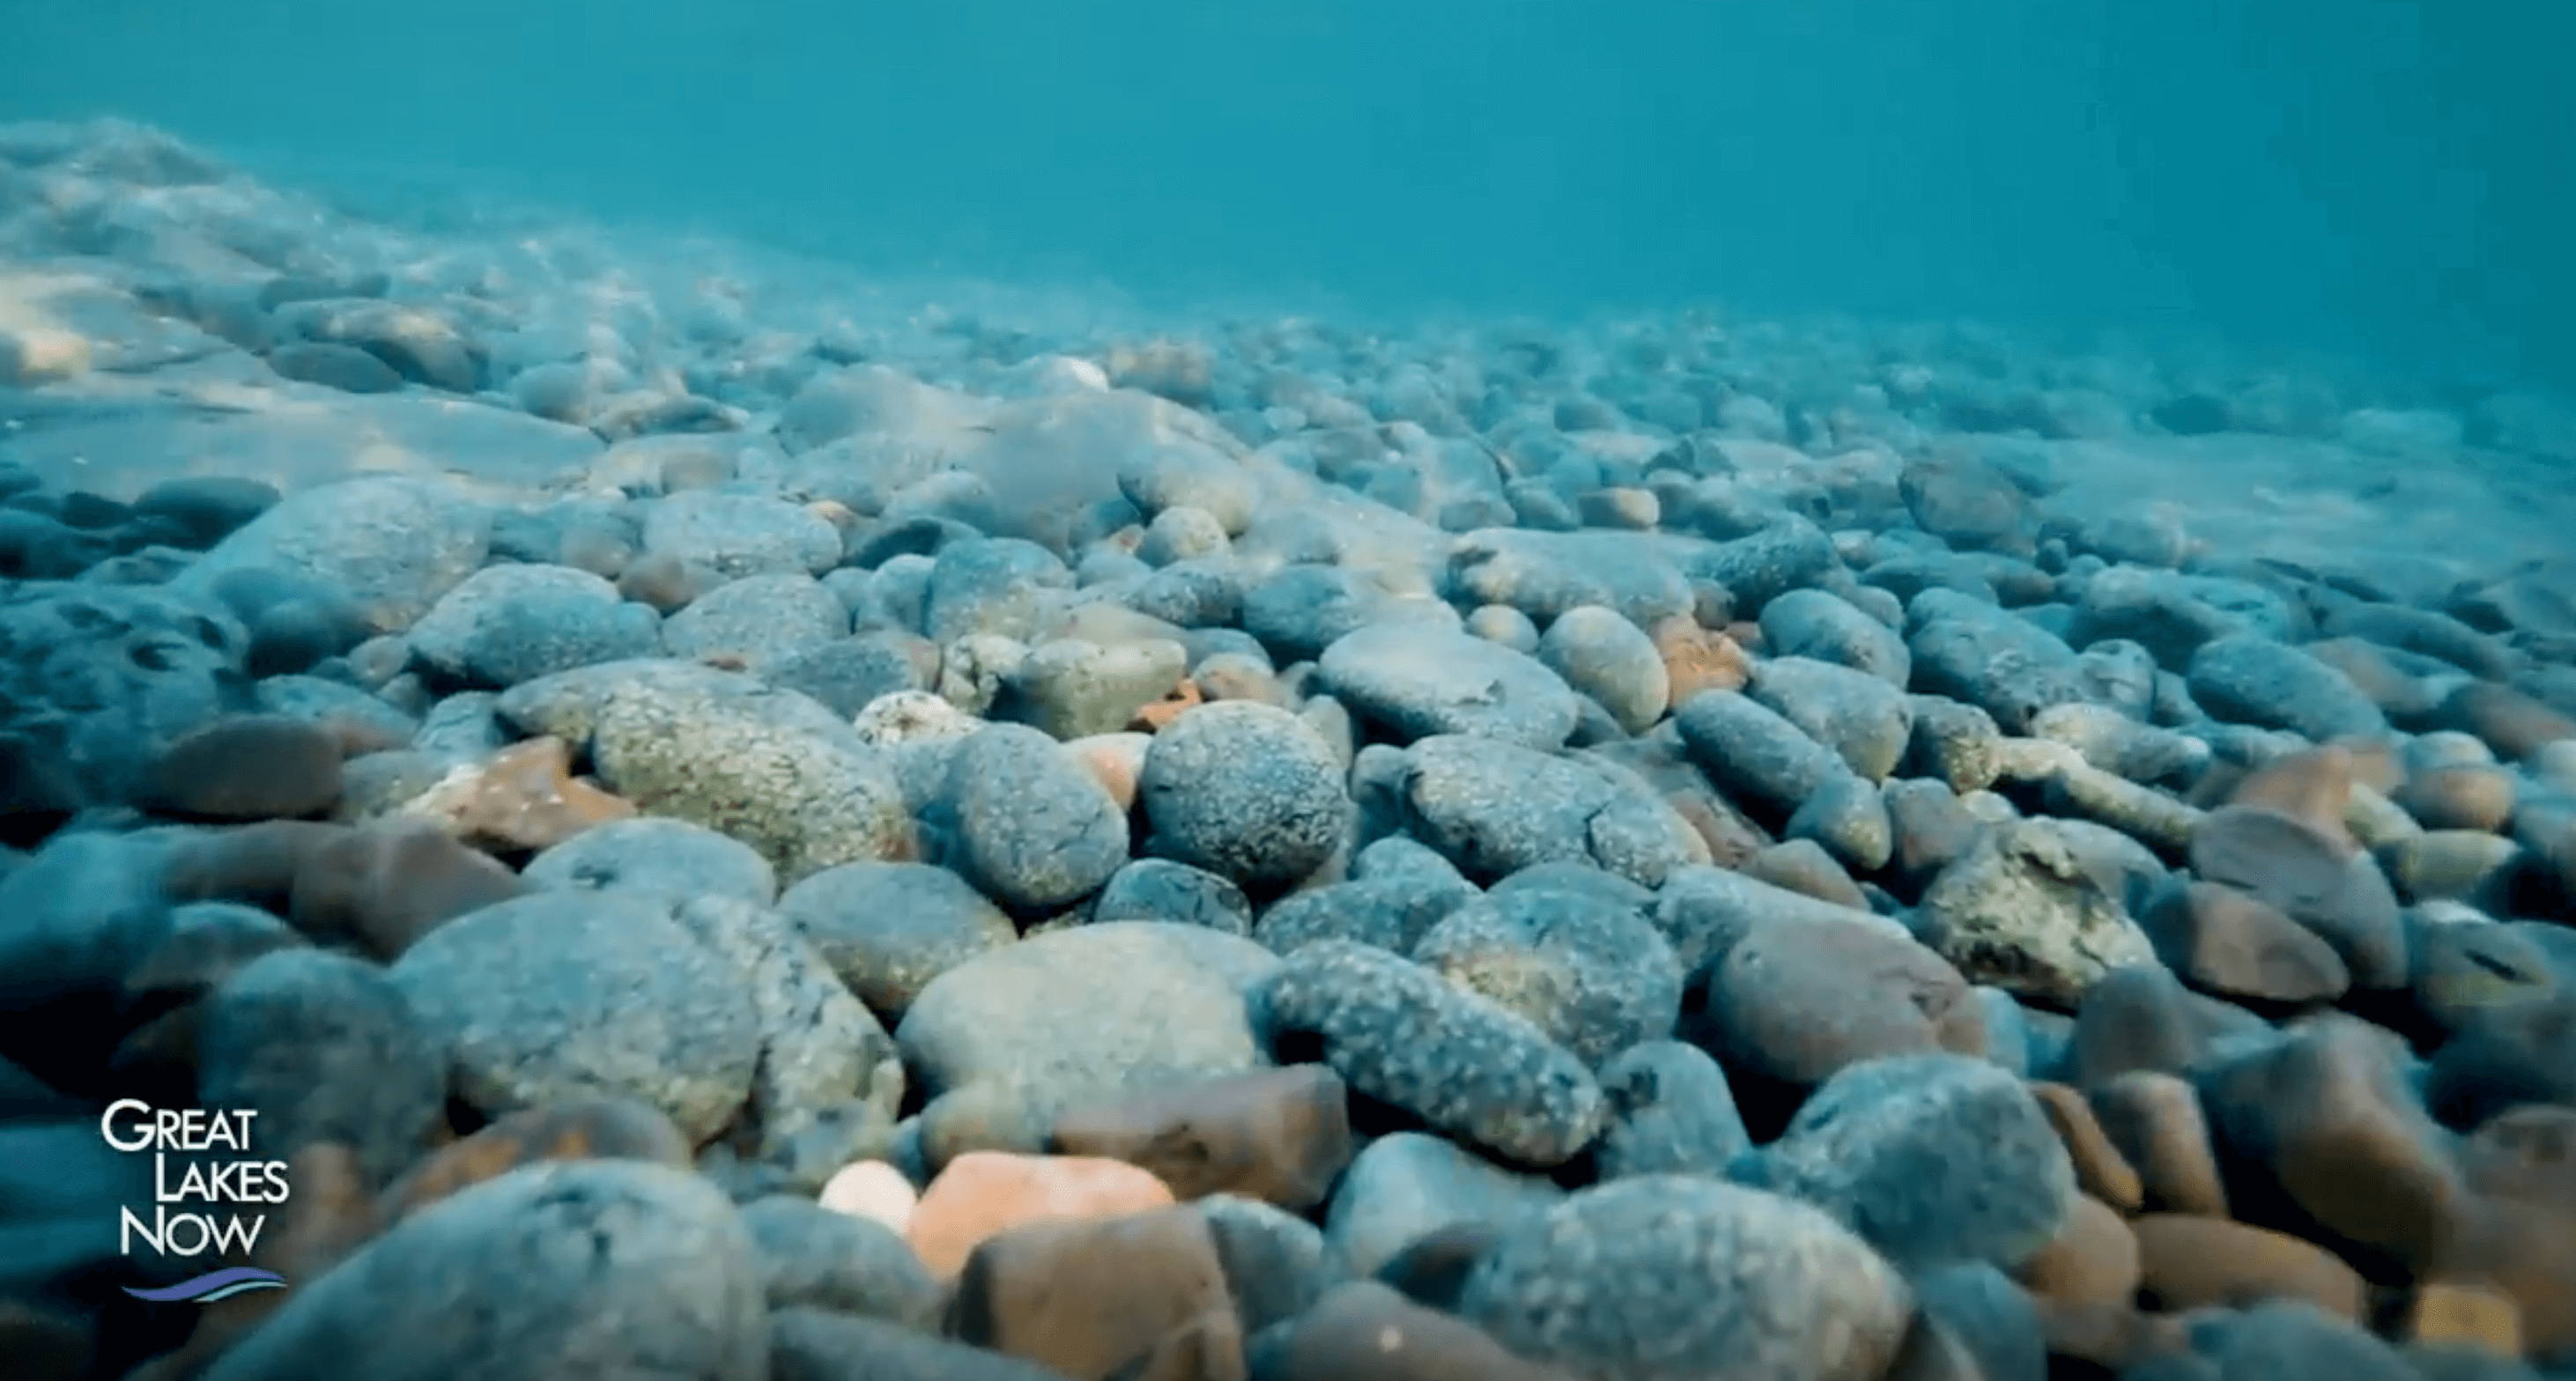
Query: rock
[557, 995]
[1606, 657]
[812, 1257]
[745, 762]
[1396, 1032]
[824, 1345]
[1393, 913]
[2322, 1129]
[737, 535]
[827, 1069]
[1420, 682]
[2254, 680]
[2154, 1121]
[1281, 1135]
[762, 622]
[1275, 1262]
[1089, 1298]
[1024, 1018]
[248, 767]
[2327, 885]
[1799, 1000]
[1861, 717]
[1407, 1189]
[655, 854]
[325, 1048]
[888, 929]
[874, 1190]
[525, 799]
[507, 624]
[665, 1280]
[2232, 945]
[1931, 1158]
[389, 884]
[2008, 667]
[1072, 689]
[1494, 809]
[1156, 889]
[1544, 575]
[1631, 1277]
[1363, 1331]
[393, 546]
[2520, 1166]
[1591, 973]
[2189, 1262]
[1749, 750]
[2019, 910]
[983, 1194]
[576, 1129]
[2094, 1261]
[1024, 823]
[2100, 1170]
[1245, 791]
[1671, 1112]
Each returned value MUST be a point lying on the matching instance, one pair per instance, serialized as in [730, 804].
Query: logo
[196, 1203]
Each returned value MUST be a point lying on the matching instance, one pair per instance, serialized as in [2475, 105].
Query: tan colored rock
[2094, 1260]
[2460, 796]
[1279, 1135]
[1696, 659]
[1153, 718]
[2186, 1262]
[1799, 999]
[1137, 1295]
[1115, 761]
[523, 799]
[389, 883]
[2100, 1169]
[981, 1194]
[875, 1190]
[2444, 1314]
[2236, 945]
[2155, 1121]
[2514, 724]
[2021, 911]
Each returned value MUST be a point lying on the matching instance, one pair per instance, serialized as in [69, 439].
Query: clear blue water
[2371, 175]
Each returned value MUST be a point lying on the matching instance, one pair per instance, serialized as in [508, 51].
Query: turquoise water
[2357, 175]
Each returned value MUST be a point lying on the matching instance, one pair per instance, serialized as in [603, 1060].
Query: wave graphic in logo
[213, 1286]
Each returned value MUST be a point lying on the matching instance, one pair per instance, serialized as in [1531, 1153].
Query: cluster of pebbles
[721, 842]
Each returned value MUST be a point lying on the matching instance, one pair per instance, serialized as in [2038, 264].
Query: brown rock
[2094, 1260]
[605, 1129]
[2522, 1164]
[2320, 878]
[1094, 1298]
[1363, 1331]
[2475, 1316]
[2515, 725]
[1798, 1000]
[1621, 507]
[2314, 788]
[982, 1193]
[392, 882]
[2100, 1169]
[2459, 796]
[2156, 1123]
[1696, 659]
[1152, 719]
[2227, 942]
[2186, 1262]
[2328, 1127]
[1802, 865]
[1279, 1135]
[248, 767]
[522, 800]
